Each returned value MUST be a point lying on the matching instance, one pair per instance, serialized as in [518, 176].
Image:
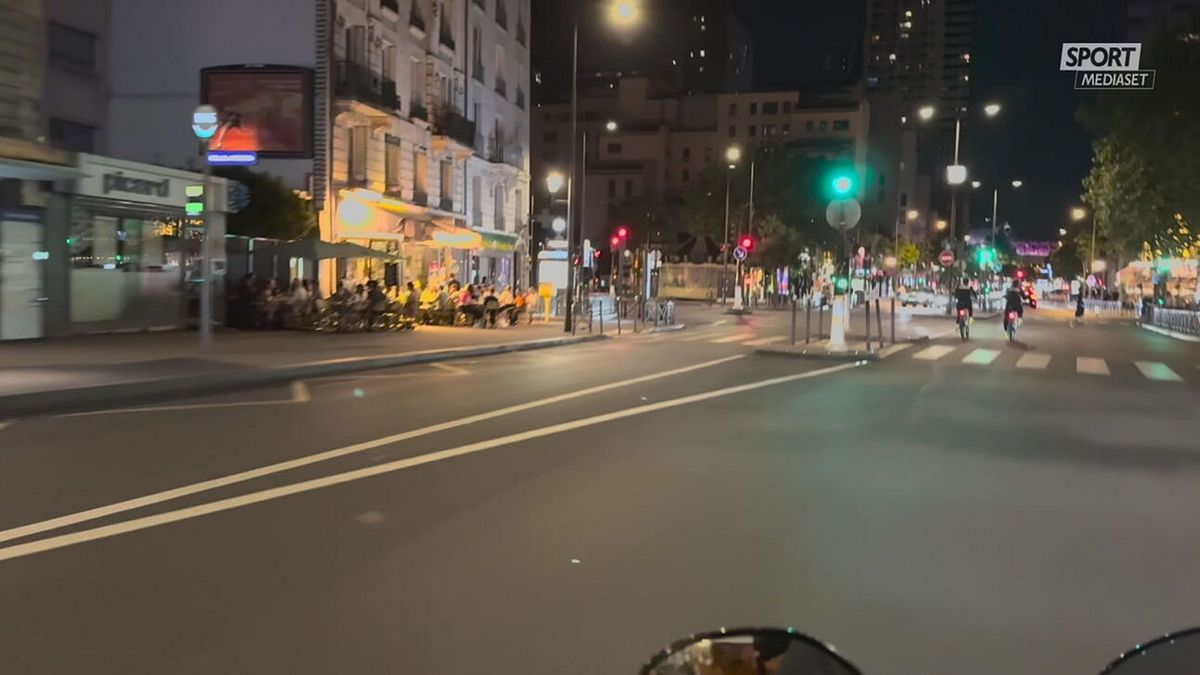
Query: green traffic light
[843, 283]
[842, 185]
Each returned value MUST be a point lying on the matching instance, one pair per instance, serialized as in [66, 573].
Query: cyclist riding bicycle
[964, 298]
[1013, 302]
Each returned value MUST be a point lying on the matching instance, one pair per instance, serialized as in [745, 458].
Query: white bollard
[837, 327]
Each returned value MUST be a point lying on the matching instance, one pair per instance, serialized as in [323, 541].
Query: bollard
[893, 321]
[878, 322]
[821, 322]
[807, 320]
[619, 308]
[601, 312]
[793, 321]
[591, 315]
[868, 307]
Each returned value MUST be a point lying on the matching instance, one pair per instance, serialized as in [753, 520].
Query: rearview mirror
[1174, 654]
[749, 652]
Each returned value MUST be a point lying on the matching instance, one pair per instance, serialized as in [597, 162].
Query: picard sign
[1106, 65]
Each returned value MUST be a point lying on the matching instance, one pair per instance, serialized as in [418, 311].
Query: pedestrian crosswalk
[1091, 366]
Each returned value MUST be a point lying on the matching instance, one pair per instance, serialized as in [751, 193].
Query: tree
[274, 210]
[778, 244]
[1146, 162]
[909, 254]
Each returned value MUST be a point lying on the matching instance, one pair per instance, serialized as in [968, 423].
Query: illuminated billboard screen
[265, 109]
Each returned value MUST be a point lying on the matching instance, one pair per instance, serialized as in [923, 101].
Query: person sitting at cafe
[508, 304]
[375, 304]
[412, 301]
[531, 301]
[468, 304]
[490, 306]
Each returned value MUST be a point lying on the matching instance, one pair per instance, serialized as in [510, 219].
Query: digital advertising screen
[264, 109]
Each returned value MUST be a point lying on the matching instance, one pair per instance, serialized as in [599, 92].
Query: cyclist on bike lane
[1013, 302]
[964, 298]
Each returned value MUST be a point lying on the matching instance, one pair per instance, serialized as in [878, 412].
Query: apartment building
[661, 141]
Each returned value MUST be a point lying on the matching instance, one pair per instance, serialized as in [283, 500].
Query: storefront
[132, 253]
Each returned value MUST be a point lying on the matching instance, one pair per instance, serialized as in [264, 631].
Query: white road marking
[1159, 372]
[299, 394]
[1034, 361]
[933, 353]
[1090, 366]
[763, 342]
[719, 322]
[981, 357]
[4, 424]
[145, 522]
[740, 337]
[702, 334]
[250, 474]
[451, 369]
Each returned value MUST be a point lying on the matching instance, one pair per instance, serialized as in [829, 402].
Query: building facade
[418, 111]
[661, 142]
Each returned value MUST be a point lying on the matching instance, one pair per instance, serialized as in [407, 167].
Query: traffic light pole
[206, 266]
[568, 320]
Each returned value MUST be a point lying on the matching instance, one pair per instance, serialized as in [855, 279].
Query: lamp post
[733, 154]
[621, 14]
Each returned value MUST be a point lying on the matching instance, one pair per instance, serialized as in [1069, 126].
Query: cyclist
[964, 298]
[1013, 302]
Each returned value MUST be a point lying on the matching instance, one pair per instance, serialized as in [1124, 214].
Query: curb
[125, 393]
[1170, 333]
[841, 355]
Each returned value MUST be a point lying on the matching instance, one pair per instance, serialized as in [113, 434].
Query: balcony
[358, 83]
[502, 13]
[417, 111]
[452, 124]
[446, 204]
[415, 20]
[477, 71]
[420, 196]
[392, 6]
[521, 34]
[501, 152]
[445, 35]
[501, 86]
[520, 98]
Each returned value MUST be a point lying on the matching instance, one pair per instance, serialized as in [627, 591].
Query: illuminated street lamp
[926, 112]
[913, 214]
[555, 182]
[733, 155]
[1078, 213]
[975, 184]
[1062, 231]
[624, 13]
[991, 109]
[941, 225]
[1018, 183]
[611, 126]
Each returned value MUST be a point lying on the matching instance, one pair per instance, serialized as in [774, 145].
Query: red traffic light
[596, 253]
[1020, 274]
[622, 232]
[747, 243]
[616, 241]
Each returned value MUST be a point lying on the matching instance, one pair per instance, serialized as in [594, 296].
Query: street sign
[740, 253]
[843, 214]
[205, 122]
[946, 258]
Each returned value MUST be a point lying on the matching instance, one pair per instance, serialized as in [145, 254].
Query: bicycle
[1010, 325]
[964, 324]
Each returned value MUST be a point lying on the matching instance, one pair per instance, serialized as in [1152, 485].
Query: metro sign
[1106, 65]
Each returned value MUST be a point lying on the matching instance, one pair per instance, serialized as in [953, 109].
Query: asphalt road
[983, 508]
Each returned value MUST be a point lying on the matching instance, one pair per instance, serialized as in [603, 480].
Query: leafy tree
[909, 254]
[274, 210]
[1146, 163]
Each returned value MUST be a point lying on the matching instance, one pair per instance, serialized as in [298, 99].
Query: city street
[983, 507]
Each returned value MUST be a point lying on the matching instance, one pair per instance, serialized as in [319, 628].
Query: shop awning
[497, 241]
[26, 170]
[315, 249]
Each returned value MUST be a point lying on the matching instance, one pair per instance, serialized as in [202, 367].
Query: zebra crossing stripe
[1159, 372]
[982, 357]
[1090, 366]
[933, 353]
[741, 337]
[762, 342]
[1034, 361]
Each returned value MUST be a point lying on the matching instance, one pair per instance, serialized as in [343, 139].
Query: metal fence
[1179, 320]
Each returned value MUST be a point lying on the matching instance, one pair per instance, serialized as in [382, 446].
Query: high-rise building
[22, 45]
[918, 53]
[1145, 18]
[714, 52]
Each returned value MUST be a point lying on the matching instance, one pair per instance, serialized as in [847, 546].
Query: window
[753, 108]
[498, 213]
[808, 126]
[391, 163]
[769, 130]
[733, 110]
[614, 148]
[388, 62]
[628, 189]
[687, 154]
[708, 155]
[550, 137]
[477, 50]
[686, 175]
[417, 100]
[787, 107]
[732, 131]
[787, 129]
[824, 126]
[612, 189]
[502, 13]
[356, 44]
[420, 177]
[356, 157]
[72, 136]
[447, 184]
[841, 125]
[771, 108]
[752, 131]
[70, 46]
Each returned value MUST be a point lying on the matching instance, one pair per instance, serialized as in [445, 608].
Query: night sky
[1016, 53]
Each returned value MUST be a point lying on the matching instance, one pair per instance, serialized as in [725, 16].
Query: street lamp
[611, 126]
[975, 184]
[1018, 183]
[991, 109]
[1062, 231]
[554, 181]
[913, 214]
[1078, 213]
[941, 225]
[622, 14]
[926, 112]
[733, 155]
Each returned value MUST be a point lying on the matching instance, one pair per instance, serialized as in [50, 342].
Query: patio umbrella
[315, 249]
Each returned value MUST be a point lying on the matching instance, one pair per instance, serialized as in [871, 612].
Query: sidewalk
[64, 374]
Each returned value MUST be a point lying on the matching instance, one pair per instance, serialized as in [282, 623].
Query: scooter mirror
[1174, 654]
[749, 652]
